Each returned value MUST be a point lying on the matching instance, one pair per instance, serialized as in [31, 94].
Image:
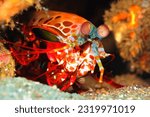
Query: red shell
[64, 25]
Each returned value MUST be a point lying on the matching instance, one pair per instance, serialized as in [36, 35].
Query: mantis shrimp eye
[102, 31]
[86, 28]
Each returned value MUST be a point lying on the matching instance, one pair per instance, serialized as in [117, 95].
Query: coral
[10, 8]
[129, 21]
[7, 64]
[21, 88]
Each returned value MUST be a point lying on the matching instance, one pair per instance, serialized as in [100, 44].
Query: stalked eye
[102, 31]
[86, 28]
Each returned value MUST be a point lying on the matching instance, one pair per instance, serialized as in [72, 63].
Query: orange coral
[10, 8]
[129, 21]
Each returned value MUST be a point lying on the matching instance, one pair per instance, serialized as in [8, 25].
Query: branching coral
[129, 20]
